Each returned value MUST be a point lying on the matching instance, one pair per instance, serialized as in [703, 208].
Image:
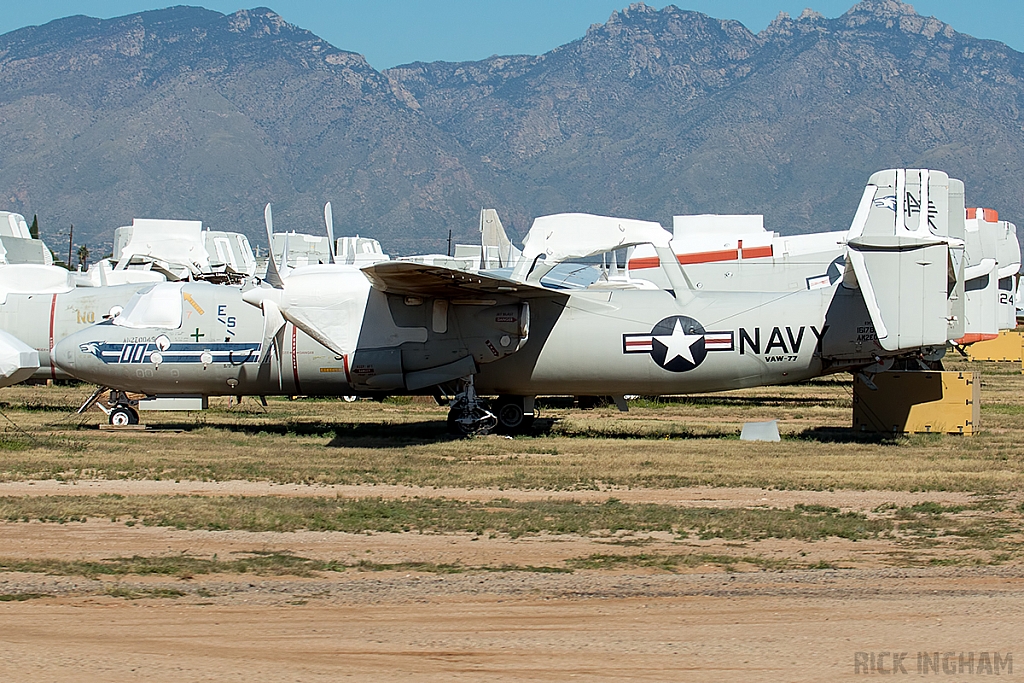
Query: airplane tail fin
[496, 246]
[905, 253]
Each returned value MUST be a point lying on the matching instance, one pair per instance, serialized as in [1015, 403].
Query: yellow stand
[1009, 345]
[918, 403]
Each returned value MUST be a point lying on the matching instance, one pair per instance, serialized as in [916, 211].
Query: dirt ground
[696, 496]
[792, 626]
[637, 624]
[443, 606]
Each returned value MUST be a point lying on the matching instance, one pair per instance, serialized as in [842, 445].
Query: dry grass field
[317, 539]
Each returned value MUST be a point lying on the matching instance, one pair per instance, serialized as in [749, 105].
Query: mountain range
[189, 113]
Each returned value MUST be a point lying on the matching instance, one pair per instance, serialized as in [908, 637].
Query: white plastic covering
[231, 249]
[170, 241]
[684, 227]
[156, 306]
[17, 360]
[102, 274]
[359, 251]
[565, 236]
[30, 278]
[13, 225]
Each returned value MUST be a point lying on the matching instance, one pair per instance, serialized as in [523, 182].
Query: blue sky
[391, 32]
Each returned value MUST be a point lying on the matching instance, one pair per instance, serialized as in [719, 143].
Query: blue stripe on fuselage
[185, 352]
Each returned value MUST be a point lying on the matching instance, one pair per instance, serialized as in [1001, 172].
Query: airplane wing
[416, 279]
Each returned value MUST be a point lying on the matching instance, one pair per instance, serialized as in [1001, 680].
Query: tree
[33, 230]
[83, 256]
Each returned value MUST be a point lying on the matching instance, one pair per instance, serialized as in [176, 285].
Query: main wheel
[123, 415]
[512, 417]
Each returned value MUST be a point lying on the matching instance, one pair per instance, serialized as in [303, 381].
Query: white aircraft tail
[905, 253]
[497, 249]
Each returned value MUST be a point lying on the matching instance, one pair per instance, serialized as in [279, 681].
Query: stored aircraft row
[686, 314]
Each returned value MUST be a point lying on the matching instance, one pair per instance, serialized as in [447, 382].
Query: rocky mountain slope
[189, 113]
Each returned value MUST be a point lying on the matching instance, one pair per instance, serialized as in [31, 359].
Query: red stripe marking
[645, 262]
[295, 361]
[758, 252]
[704, 257]
[709, 256]
[348, 377]
[53, 313]
[975, 337]
[987, 215]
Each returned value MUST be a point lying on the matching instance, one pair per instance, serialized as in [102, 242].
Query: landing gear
[514, 413]
[123, 415]
[122, 411]
[469, 414]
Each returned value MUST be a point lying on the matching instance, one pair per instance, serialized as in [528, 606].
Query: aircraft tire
[124, 415]
[512, 417]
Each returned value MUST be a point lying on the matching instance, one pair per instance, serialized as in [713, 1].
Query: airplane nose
[64, 354]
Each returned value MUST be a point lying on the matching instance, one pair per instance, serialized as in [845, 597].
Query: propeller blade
[273, 336]
[329, 222]
[273, 324]
[273, 277]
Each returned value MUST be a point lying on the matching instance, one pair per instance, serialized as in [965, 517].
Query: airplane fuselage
[591, 342]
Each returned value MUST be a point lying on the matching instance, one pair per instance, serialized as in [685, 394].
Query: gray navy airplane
[402, 327]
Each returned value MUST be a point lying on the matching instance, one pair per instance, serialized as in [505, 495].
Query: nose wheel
[123, 415]
[468, 413]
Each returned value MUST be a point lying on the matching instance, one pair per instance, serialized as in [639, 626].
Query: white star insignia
[679, 344]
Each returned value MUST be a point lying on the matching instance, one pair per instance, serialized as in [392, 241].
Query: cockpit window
[157, 306]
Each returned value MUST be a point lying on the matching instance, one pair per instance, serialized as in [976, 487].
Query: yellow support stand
[1008, 346]
[918, 403]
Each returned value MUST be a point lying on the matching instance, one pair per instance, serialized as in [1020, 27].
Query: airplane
[403, 327]
[41, 303]
[198, 338]
[642, 341]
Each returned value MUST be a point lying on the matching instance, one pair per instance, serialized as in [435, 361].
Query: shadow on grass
[37, 407]
[345, 434]
[758, 401]
[425, 432]
[557, 428]
[847, 435]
